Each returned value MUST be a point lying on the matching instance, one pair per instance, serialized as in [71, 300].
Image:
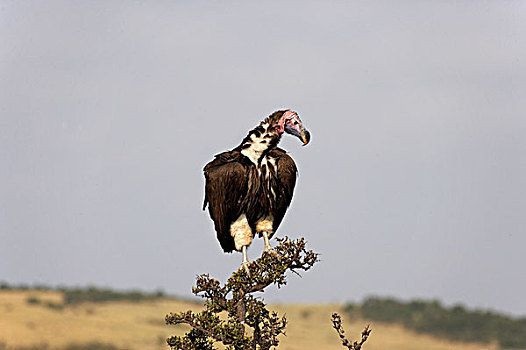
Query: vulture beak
[295, 128]
[305, 136]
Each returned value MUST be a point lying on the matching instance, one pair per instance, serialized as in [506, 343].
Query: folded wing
[225, 191]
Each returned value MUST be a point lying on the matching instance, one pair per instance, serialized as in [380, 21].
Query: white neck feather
[258, 141]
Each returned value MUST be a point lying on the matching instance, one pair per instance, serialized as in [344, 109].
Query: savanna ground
[140, 325]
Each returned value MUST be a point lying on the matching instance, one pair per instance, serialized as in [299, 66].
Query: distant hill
[36, 318]
[76, 295]
[454, 323]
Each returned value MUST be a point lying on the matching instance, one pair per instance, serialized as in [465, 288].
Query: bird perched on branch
[249, 189]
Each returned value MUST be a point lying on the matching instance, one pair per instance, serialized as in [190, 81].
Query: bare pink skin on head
[293, 122]
[280, 125]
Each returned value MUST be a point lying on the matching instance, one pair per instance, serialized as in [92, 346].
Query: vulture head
[290, 122]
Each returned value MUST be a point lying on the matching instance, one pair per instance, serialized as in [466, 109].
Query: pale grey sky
[413, 185]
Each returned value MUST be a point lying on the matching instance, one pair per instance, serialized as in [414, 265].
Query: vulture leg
[268, 248]
[245, 262]
[267, 243]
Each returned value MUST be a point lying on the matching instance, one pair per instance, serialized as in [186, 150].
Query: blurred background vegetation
[76, 295]
[454, 323]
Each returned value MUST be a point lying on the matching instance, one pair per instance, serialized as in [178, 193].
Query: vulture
[249, 188]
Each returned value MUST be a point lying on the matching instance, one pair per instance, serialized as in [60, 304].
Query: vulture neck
[259, 141]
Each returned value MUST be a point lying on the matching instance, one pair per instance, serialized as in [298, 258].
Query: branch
[270, 269]
[196, 322]
[243, 309]
[337, 324]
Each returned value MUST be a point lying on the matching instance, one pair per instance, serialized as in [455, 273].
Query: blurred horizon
[138, 294]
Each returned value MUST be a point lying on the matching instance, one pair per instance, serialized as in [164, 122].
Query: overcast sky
[413, 185]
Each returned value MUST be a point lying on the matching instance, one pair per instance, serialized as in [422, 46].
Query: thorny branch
[243, 309]
[337, 324]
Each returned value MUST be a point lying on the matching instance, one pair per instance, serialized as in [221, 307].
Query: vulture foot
[268, 249]
[271, 251]
[245, 265]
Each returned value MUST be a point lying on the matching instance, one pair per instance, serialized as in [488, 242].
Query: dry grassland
[140, 326]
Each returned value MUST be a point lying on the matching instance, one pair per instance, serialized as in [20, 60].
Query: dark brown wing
[287, 173]
[225, 190]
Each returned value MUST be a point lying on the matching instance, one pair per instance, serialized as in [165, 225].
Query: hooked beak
[305, 136]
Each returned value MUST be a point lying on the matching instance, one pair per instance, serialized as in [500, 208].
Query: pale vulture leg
[245, 262]
[265, 227]
[242, 233]
[267, 243]
[268, 248]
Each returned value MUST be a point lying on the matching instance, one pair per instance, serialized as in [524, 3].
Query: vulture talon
[245, 265]
[268, 249]
[272, 252]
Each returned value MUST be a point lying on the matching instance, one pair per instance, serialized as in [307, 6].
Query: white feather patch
[241, 232]
[255, 150]
[258, 145]
[265, 225]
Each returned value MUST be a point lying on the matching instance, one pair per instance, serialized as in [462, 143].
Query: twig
[337, 324]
